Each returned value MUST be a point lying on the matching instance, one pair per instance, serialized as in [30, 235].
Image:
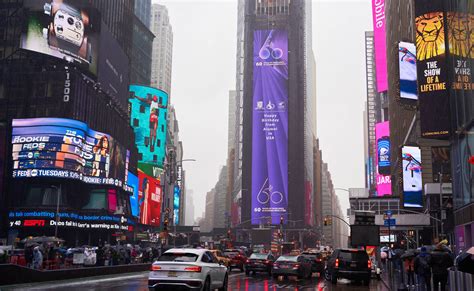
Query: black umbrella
[42, 239]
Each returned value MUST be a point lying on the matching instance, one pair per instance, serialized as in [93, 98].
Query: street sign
[389, 222]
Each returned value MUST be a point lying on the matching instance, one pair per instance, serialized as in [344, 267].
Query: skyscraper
[278, 123]
[162, 48]
[143, 11]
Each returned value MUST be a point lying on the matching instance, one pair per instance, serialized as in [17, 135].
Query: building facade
[162, 57]
[142, 10]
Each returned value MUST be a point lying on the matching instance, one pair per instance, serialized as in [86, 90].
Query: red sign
[33, 222]
[149, 199]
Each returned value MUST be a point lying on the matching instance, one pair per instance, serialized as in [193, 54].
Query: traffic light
[325, 221]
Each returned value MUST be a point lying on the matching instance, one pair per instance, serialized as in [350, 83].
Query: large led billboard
[133, 183]
[432, 69]
[407, 65]
[67, 148]
[411, 169]
[149, 199]
[66, 29]
[148, 110]
[176, 202]
[382, 137]
[380, 43]
[270, 126]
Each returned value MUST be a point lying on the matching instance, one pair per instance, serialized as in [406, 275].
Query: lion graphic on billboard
[429, 35]
[459, 33]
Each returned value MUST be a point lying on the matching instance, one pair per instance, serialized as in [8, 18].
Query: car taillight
[193, 269]
[319, 260]
[267, 262]
[336, 265]
[247, 261]
[369, 264]
[155, 268]
[276, 265]
[296, 266]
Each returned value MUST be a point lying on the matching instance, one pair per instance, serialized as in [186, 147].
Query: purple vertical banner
[270, 127]
[378, 14]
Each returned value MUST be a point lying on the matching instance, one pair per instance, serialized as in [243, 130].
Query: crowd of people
[54, 256]
[427, 264]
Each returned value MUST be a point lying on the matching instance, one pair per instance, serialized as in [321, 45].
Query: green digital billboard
[148, 110]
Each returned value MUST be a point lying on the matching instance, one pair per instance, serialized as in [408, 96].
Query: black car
[259, 263]
[352, 264]
[317, 261]
[292, 266]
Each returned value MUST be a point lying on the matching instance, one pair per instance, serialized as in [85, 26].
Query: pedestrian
[37, 258]
[441, 260]
[409, 264]
[422, 270]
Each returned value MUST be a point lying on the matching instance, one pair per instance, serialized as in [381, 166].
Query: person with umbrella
[422, 270]
[37, 258]
[409, 266]
[441, 260]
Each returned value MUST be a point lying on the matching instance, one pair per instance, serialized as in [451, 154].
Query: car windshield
[259, 256]
[353, 256]
[178, 257]
[288, 259]
[231, 254]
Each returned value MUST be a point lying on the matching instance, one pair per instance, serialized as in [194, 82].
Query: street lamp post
[58, 193]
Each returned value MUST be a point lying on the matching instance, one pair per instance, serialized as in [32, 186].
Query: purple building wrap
[270, 127]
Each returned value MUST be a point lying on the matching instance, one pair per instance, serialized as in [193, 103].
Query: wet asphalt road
[237, 281]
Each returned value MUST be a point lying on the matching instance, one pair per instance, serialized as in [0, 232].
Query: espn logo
[33, 222]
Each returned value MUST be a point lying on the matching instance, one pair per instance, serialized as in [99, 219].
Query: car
[221, 258]
[189, 269]
[237, 258]
[299, 266]
[352, 264]
[258, 262]
[317, 261]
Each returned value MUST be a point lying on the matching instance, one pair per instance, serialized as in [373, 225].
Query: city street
[238, 281]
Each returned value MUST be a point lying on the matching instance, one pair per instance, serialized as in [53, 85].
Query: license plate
[172, 274]
[353, 265]
[284, 266]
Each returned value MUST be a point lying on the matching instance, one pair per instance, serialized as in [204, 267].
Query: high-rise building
[278, 129]
[143, 11]
[162, 59]
[69, 96]
[207, 223]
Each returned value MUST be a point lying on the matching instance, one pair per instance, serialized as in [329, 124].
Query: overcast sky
[204, 49]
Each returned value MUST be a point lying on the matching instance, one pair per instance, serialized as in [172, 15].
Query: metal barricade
[460, 281]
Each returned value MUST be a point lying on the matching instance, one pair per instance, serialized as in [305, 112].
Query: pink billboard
[378, 13]
[382, 158]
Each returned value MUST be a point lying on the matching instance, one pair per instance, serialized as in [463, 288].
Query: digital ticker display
[67, 148]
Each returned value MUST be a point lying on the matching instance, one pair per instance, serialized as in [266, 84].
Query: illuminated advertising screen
[176, 199]
[67, 148]
[149, 199]
[382, 137]
[432, 69]
[148, 110]
[132, 182]
[66, 29]
[270, 126]
[380, 43]
[412, 184]
[407, 65]
[44, 218]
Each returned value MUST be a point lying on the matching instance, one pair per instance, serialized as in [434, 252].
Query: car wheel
[207, 285]
[247, 272]
[226, 283]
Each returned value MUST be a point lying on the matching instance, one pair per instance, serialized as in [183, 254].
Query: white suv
[193, 269]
